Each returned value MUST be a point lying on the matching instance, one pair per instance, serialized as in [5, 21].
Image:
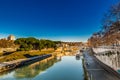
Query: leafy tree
[35, 44]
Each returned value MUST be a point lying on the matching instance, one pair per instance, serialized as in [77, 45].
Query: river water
[66, 68]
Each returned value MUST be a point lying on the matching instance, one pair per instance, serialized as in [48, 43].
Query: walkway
[97, 71]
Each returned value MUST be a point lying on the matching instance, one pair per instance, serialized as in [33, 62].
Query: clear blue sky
[67, 20]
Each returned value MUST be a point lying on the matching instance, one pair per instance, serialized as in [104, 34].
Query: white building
[11, 37]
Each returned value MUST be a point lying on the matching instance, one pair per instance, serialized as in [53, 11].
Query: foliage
[35, 44]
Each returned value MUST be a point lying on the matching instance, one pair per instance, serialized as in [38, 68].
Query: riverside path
[99, 71]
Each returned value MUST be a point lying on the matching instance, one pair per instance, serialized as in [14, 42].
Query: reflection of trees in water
[33, 70]
[5, 73]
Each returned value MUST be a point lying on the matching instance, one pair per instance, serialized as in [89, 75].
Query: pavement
[96, 71]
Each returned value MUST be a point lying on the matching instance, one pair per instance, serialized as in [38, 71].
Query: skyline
[64, 20]
[65, 39]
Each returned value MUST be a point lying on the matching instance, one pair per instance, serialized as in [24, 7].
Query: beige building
[11, 37]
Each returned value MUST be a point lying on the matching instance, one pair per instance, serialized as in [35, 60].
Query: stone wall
[106, 49]
[109, 56]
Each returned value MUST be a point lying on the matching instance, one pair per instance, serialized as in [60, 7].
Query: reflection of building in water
[77, 58]
[111, 59]
[59, 58]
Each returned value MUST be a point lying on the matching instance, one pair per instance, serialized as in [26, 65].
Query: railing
[110, 47]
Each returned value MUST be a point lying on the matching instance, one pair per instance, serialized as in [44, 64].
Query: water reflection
[34, 69]
[63, 68]
[111, 59]
[30, 71]
[67, 69]
[77, 57]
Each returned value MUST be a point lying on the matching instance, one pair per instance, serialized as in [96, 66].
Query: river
[66, 68]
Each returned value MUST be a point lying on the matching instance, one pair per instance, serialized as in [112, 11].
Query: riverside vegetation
[27, 47]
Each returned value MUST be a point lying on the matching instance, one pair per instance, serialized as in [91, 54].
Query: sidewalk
[97, 71]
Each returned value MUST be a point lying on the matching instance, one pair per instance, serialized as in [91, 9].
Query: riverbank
[12, 56]
[21, 58]
[48, 69]
[17, 63]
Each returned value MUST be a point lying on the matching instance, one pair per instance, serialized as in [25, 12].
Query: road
[96, 70]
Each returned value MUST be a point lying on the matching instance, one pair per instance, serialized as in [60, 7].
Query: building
[11, 37]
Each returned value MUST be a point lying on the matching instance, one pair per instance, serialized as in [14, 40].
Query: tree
[110, 31]
[35, 44]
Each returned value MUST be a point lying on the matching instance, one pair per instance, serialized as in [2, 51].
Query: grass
[22, 55]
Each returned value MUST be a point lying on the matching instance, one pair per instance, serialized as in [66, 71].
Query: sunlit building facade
[11, 37]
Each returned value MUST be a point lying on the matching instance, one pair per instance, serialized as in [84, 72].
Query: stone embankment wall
[17, 63]
[109, 56]
[106, 49]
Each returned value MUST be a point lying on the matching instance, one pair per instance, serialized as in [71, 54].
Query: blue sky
[66, 20]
